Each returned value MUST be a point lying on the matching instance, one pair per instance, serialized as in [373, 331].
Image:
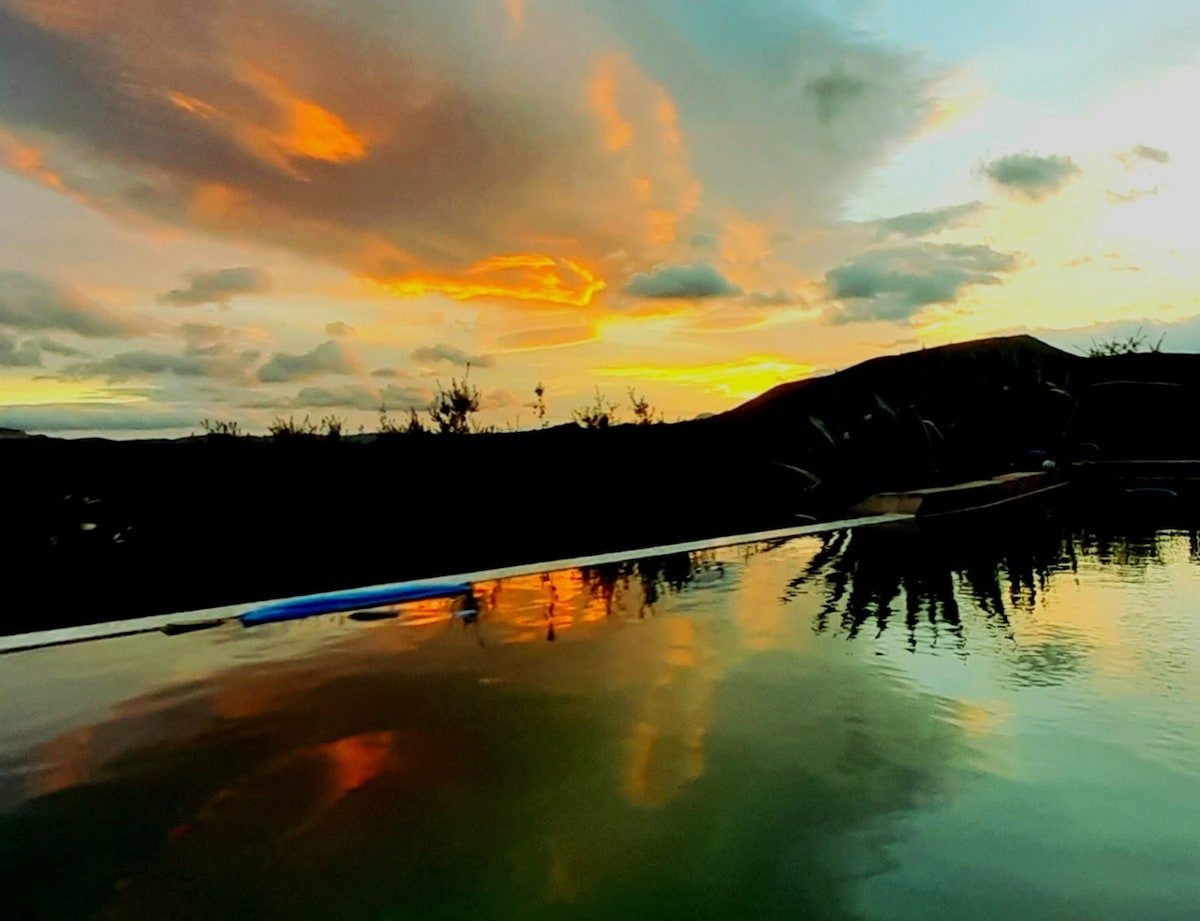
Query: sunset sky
[236, 210]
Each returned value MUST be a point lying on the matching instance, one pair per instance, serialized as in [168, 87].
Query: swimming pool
[857, 724]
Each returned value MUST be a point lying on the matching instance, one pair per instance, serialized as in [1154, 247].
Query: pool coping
[188, 621]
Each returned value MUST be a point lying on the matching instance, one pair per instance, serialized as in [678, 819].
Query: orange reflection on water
[356, 760]
[666, 747]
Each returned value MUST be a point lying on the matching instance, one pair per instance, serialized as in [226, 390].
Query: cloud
[328, 358]
[683, 282]
[349, 396]
[441, 352]
[18, 355]
[709, 241]
[497, 399]
[200, 336]
[894, 284]
[51, 347]
[1141, 153]
[924, 223]
[1133, 195]
[79, 417]
[28, 352]
[1031, 175]
[215, 361]
[31, 303]
[217, 287]
[390, 372]
[835, 93]
[777, 298]
[528, 340]
[339, 330]
[426, 147]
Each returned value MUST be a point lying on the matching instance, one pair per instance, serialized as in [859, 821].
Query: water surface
[861, 725]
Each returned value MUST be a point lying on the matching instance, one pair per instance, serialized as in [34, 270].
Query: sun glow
[519, 277]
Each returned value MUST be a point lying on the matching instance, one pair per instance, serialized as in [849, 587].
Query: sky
[238, 212]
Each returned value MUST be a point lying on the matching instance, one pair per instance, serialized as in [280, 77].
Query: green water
[855, 726]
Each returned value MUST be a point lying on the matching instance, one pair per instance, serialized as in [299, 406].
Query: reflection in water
[693, 741]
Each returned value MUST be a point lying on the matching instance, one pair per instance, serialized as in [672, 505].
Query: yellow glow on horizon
[17, 391]
[741, 379]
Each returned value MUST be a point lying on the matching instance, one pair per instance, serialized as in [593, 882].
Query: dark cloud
[84, 417]
[328, 358]
[834, 93]
[1133, 195]
[1031, 175]
[894, 284]
[705, 241]
[28, 353]
[412, 141]
[31, 303]
[451, 355]
[390, 372]
[214, 361]
[923, 223]
[685, 282]
[217, 287]
[52, 347]
[349, 396]
[1140, 153]
[353, 396]
[339, 330]
[14, 354]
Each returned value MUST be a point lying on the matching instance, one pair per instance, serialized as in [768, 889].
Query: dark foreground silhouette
[96, 530]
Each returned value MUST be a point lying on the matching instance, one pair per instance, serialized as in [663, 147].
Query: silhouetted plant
[1130, 345]
[331, 427]
[281, 428]
[643, 412]
[453, 410]
[539, 405]
[229, 429]
[415, 425]
[600, 415]
[388, 425]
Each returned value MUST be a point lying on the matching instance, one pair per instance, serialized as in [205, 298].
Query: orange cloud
[28, 160]
[516, 12]
[301, 128]
[319, 134]
[602, 97]
[522, 277]
[192, 104]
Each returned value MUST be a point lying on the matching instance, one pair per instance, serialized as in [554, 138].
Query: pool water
[857, 725]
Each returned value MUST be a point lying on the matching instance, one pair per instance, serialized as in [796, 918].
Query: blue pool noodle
[330, 602]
